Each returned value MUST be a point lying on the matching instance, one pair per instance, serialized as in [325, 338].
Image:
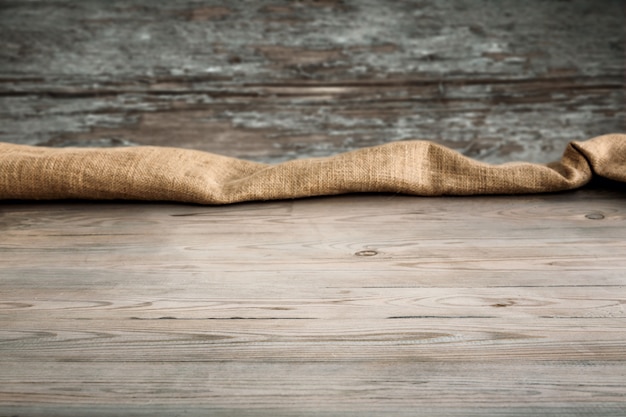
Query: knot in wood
[366, 253]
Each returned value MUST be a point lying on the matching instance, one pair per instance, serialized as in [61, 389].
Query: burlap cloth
[171, 174]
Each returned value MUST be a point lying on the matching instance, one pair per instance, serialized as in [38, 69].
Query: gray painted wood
[274, 80]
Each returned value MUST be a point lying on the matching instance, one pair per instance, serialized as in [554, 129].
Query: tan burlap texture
[410, 167]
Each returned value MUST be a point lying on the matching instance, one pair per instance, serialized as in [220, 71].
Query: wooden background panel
[274, 80]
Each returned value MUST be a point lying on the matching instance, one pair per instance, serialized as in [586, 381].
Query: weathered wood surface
[353, 305]
[271, 80]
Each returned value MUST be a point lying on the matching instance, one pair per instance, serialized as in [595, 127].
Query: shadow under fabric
[409, 167]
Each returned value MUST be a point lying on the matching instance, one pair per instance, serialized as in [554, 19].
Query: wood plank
[281, 79]
[287, 301]
[355, 386]
[359, 304]
[330, 338]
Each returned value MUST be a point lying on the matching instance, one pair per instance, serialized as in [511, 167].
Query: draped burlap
[409, 167]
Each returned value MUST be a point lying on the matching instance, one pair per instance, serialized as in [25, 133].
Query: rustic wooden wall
[272, 80]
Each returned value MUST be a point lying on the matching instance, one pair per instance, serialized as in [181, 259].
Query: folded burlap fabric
[172, 174]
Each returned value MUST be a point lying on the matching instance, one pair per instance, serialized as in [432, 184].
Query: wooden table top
[350, 305]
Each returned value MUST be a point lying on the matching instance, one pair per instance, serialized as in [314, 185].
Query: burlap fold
[172, 174]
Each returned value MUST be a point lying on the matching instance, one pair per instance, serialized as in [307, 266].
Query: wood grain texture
[273, 80]
[356, 305]
[351, 305]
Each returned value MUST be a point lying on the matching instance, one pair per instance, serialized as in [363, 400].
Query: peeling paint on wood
[275, 80]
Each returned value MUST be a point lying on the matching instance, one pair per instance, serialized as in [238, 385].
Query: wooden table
[352, 305]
